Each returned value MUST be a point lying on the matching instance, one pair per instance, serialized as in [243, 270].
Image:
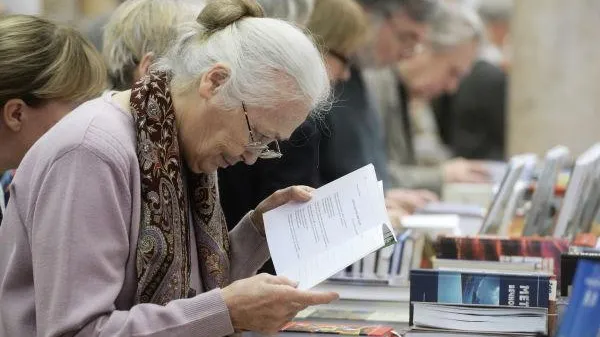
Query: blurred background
[547, 48]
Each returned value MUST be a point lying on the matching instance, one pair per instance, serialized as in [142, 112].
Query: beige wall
[555, 77]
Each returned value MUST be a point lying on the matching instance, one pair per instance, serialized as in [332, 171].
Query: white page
[341, 224]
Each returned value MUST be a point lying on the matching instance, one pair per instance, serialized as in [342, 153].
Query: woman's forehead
[282, 119]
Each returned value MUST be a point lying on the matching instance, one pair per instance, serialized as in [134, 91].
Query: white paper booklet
[344, 221]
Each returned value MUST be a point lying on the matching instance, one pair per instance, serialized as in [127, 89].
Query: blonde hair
[138, 27]
[339, 25]
[41, 61]
[260, 52]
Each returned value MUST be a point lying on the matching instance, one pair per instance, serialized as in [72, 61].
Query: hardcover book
[581, 317]
[480, 288]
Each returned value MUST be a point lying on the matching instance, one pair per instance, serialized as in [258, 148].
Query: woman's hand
[265, 303]
[281, 197]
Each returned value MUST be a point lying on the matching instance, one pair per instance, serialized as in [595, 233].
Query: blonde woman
[46, 70]
[138, 33]
[116, 227]
[340, 27]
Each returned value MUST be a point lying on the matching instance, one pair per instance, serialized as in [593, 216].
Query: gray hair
[418, 10]
[496, 10]
[138, 27]
[453, 26]
[263, 54]
[295, 11]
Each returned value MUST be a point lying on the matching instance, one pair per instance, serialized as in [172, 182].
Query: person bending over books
[37, 88]
[341, 27]
[446, 56]
[115, 228]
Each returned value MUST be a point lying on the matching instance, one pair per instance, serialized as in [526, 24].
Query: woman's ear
[212, 80]
[12, 114]
[144, 65]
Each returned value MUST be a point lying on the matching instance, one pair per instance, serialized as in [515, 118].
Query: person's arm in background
[416, 177]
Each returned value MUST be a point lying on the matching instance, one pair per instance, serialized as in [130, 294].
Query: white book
[571, 209]
[466, 265]
[385, 259]
[479, 318]
[344, 221]
[433, 224]
[516, 197]
[537, 220]
[494, 217]
[409, 261]
[369, 266]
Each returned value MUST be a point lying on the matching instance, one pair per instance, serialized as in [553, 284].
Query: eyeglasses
[261, 146]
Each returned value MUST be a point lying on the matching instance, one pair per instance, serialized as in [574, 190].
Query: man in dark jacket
[472, 120]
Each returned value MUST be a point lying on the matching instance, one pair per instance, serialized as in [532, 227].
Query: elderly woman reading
[114, 227]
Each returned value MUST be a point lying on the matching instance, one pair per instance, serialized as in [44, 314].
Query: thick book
[465, 318]
[488, 248]
[583, 310]
[481, 288]
[339, 329]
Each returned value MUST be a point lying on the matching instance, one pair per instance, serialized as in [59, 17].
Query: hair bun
[218, 14]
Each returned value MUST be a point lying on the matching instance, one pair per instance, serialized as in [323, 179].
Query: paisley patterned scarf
[163, 252]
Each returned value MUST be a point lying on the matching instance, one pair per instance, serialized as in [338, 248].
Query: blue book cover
[456, 287]
[583, 310]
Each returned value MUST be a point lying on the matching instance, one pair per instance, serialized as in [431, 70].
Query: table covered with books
[527, 265]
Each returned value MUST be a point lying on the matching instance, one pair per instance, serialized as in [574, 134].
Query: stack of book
[545, 252]
[481, 302]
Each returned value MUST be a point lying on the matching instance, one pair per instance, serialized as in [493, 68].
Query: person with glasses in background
[37, 88]
[340, 28]
[447, 55]
[355, 135]
[116, 228]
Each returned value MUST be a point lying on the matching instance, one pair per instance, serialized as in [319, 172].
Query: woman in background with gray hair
[117, 228]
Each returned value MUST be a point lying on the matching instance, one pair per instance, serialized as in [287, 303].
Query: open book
[343, 222]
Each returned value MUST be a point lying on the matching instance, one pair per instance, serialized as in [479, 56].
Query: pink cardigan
[68, 241]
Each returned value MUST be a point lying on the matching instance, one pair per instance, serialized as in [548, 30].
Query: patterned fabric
[163, 255]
